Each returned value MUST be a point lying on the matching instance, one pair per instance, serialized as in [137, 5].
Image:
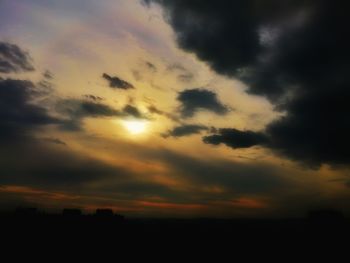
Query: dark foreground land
[318, 230]
[71, 223]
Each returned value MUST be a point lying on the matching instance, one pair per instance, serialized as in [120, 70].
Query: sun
[135, 126]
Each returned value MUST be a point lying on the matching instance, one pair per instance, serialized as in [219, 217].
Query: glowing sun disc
[135, 126]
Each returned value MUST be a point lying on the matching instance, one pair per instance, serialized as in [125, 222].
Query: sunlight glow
[135, 126]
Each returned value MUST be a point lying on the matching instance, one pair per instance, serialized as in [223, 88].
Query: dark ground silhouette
[73, 223]
[106, 233]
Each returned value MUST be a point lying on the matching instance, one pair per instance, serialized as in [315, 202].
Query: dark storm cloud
[115, 82]
[18, 114]
[222, 33]
[236, 139]
[296, 53]
[316, 129]
[14, 59]
[185, 130]
[193, 100]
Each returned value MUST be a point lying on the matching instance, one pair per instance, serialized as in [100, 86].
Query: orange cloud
[171, 205]
[27, 191]
[243, 202]
[249, 203]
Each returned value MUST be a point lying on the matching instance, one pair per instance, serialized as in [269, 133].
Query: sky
[165, 108]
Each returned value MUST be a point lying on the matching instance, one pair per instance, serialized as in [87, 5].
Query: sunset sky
[174, 108]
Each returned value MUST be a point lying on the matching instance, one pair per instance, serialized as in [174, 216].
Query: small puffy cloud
[117, 83]
[194, 100]
[236, 139]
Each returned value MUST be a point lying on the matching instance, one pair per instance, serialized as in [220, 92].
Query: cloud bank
[295, 53]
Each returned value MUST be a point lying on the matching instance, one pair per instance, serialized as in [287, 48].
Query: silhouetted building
[26, 211]
[108, 214]
[104, 212]
[71, 212]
